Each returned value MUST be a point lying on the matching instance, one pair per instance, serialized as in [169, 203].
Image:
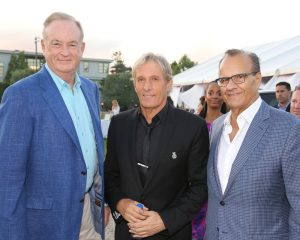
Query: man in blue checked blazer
[254, 162]
[51, 146]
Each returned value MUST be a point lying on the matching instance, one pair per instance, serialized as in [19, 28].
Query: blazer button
[83, 173]
[82, 200]
[222, 203]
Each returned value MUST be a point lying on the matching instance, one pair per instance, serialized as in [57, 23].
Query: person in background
[295, 102]
[254, 165]
[283, 96]
[213, 107]
[200, 105]
[155, 166]
[115, 109]
[51, 145]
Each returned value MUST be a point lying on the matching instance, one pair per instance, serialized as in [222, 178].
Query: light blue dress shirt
[80, 114]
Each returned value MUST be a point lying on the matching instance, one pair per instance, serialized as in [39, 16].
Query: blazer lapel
[251, 140]
[217, 130]
[132, 146]
[55, 101]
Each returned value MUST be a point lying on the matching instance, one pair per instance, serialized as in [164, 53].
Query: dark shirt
[146, 150]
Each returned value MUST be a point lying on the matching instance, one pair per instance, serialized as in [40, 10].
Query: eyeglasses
[237, 79]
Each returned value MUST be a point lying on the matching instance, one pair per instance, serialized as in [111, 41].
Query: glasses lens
[239, 78]
[223, 81]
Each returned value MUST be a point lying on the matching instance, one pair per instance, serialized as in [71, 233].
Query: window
[86, 67]
[1, 69]
[105, 70]
[35, 65]
[101, 67]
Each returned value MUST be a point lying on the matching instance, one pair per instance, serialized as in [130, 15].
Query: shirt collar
[248, 114]
[159, 117]
[60, 83]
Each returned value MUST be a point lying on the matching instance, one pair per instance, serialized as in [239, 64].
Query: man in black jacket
[155, 167]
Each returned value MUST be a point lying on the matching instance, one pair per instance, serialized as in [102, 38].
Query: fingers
[148, 227]
[130, 211]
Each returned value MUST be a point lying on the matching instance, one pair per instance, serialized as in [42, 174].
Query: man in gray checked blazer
[254, 162]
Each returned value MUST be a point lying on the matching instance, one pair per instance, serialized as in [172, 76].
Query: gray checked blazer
[262, 198]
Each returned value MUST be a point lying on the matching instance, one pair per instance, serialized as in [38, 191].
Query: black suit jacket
[176, 184]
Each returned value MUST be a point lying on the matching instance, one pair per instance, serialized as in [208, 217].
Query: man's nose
[147, 85]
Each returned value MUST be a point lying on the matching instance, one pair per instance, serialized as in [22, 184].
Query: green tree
[3, 86]
[175, 68]
[119, 66]
[119, 86]
[183, 64]
[20, 73]
[17, 62]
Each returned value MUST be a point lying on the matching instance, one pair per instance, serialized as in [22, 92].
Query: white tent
[280, 59]
[281, 56]
[293, 79]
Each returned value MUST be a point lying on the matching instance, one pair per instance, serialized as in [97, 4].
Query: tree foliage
[17, 62]
[3, 86]
[183, 64]
[119, 86]
[20, 73]
[119, 66]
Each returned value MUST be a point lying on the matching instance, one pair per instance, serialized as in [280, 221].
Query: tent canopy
[282, 57]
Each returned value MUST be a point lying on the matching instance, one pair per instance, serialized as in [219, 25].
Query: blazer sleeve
[291, 176]
[195, 195]
[113, 192]
[16, 128]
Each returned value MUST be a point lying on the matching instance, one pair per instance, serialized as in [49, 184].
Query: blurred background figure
[210, 107]
[295, 102]
[115, 108]
[200, 105]
[283, 96]
[214, 105]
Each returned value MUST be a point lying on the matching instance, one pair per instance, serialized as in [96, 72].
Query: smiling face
[63, 47]
[213, 96]
[239, 96]
[151, 87]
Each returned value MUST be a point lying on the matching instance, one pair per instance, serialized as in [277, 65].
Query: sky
[200, 29]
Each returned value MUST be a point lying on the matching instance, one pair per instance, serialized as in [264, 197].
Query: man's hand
[106, 215]
[130, 212]
[151, 225]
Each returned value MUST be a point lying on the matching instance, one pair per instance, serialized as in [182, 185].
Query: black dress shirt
[147, 140]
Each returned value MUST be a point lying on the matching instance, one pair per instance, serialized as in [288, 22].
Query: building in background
[91, 68]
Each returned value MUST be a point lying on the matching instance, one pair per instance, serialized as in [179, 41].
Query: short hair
[159, 59]
[62, 16]
[253, 57]
[286, 84]
[297, 88]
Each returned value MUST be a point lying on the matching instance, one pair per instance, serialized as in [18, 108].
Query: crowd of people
[232, 172]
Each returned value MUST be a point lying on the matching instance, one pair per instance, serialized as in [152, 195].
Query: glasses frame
[234, 78]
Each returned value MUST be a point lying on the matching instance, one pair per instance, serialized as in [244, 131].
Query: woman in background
[213, 108]
[115, 109]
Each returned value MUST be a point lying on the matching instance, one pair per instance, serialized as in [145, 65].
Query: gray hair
[297, 88]
[254, 58]
[151, 57]
[61, 16]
